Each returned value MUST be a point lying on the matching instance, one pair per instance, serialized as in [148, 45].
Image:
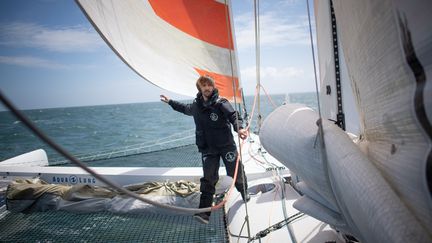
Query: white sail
[381, 41]
[379, 190]
[327, 69]
[170, 43]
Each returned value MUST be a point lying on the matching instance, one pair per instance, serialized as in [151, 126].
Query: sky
[50, 55]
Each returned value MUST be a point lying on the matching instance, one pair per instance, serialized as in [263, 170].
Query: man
[213, 117]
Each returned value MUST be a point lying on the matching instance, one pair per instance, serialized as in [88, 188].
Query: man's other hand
[243, 133]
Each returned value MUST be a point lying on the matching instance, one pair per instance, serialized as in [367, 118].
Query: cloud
[272, 73]
[276, 29]
[58, 39]
[278, 80]
[30, 61]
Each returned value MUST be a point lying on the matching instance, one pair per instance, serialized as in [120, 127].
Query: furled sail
[170, 43]
[378, 189]
[387, 47]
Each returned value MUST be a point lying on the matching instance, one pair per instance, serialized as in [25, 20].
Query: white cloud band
[60, 39]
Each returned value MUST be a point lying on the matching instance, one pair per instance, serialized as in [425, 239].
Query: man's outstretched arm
[177, 106]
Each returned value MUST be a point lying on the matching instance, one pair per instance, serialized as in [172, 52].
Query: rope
[257, 101]
[320, 131]
[313, 59]
[268, 97]
[285, 213]
[236, 113]
[239, 157]
[279, 225]
[253, 109]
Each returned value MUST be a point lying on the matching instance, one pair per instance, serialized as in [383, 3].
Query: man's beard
[207, 93]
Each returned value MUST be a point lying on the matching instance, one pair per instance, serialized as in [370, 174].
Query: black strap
[340, 114]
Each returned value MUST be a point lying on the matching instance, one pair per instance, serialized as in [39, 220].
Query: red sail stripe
[224, 84]
[203, 19]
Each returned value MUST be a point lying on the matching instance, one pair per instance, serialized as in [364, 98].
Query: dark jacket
[213, 121]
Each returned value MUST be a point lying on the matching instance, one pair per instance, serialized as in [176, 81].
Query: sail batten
[167, 42]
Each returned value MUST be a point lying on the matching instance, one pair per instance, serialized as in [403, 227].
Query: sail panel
[161, 50]
[387, 47]
[328, 87]
[195, 17]
[226, 84]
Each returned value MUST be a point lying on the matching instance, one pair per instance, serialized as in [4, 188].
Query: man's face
[206, 89]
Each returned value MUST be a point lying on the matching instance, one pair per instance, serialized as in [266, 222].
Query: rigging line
[313, 59]
[232, 183]
[185, 132]
[271, 210]
[241, 229]
[231, 41]
[238, 236]
[129, 148]
[245, 115]
[271, 228]
[282, 185]
[253, 109]
[239, 156]
[254, 158]
[248, 127]
[257, 58]
[114, 153]
[102, 153]
[90, 158]
[26, 121]
[240, 142]
[277, 226]
[268, 97]
[285, 213]
[320, 120]
[250, 122]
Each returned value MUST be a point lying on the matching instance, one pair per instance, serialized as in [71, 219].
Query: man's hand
[243, 133]
[164, 98]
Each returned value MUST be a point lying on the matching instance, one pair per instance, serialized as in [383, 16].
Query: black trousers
[211, 163]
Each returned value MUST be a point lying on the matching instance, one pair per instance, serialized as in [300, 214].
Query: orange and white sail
[170, 43]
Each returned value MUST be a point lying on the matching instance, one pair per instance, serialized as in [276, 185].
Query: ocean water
[160, 137]
[125, 127]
